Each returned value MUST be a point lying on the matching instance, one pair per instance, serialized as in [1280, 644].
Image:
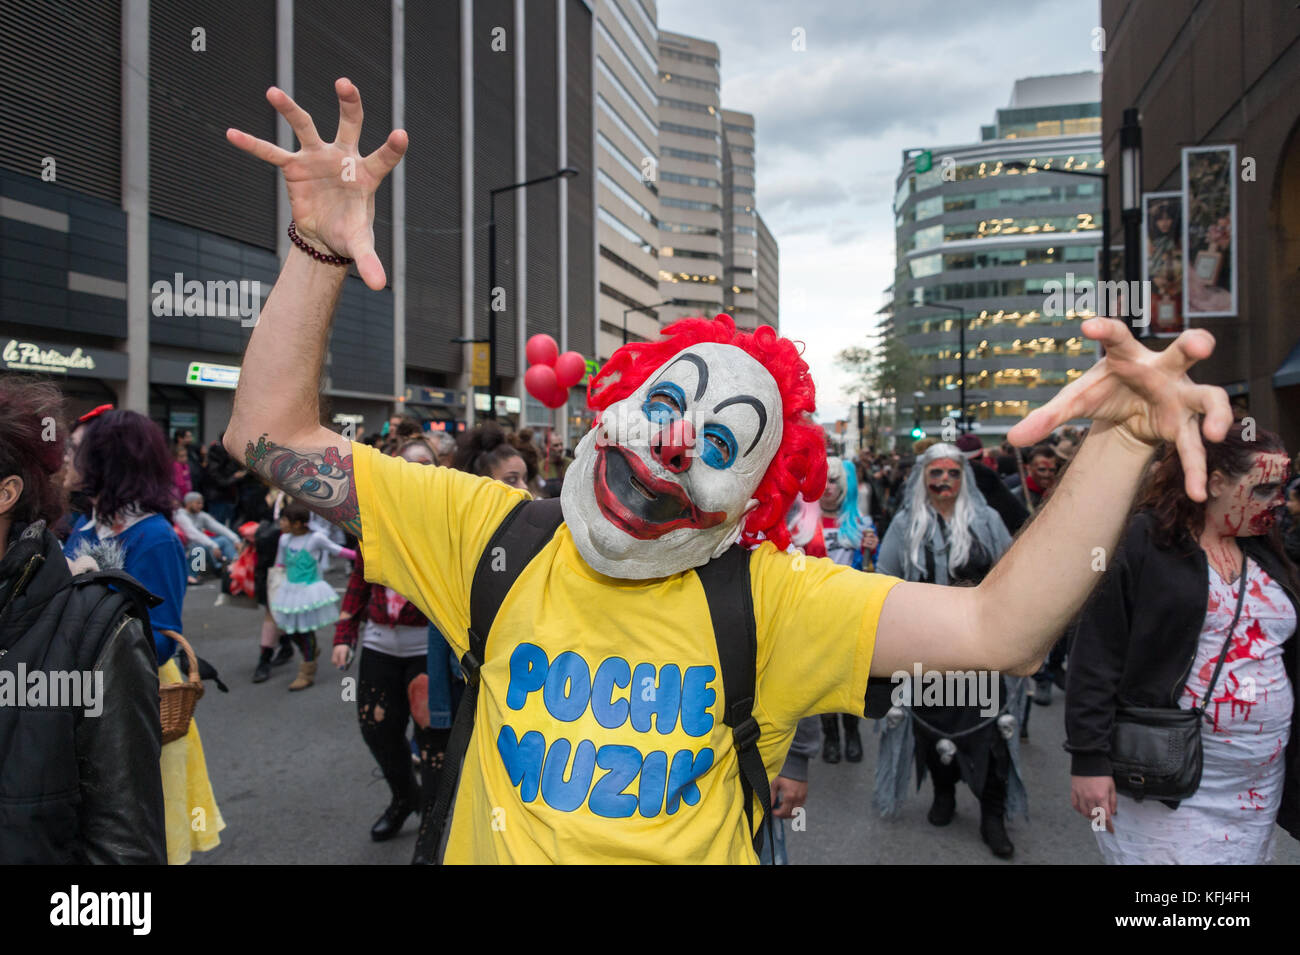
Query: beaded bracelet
[316, 254]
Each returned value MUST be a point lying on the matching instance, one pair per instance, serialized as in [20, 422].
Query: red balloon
[541, 350]
[569, 369]
[557, 398]
[541, 383]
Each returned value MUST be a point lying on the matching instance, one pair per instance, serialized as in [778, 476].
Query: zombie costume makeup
[977, 743]
[1160, 624]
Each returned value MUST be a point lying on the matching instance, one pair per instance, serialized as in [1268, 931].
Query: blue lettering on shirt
[564, 770]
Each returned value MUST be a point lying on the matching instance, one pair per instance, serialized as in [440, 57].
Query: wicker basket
[176, 701]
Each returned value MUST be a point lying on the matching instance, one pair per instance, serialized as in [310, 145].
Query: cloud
[832, 122]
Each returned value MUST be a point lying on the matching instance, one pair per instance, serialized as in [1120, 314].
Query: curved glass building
[982, 232]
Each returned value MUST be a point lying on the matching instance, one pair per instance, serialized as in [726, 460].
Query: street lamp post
[1130, 195]
[565, 173]
[642, 308]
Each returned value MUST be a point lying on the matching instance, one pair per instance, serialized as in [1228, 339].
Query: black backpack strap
[519, 538]
[98, 601]
[731, 610]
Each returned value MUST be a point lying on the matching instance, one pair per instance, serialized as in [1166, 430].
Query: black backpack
[520, 537]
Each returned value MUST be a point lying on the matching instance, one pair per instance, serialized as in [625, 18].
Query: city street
[296, 784]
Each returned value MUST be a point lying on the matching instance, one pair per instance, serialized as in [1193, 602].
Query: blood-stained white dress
[1231, 818]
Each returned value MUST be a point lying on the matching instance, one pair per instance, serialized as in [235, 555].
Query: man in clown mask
[599, 732]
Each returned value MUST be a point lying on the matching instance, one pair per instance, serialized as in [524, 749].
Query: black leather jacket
[1135, 641]
[75, 788]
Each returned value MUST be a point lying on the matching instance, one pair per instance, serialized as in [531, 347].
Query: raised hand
[331, 185]
[1147, 394]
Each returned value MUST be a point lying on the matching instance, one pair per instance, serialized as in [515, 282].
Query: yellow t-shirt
[599, 733]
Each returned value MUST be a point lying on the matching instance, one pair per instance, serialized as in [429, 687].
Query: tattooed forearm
[322, 480]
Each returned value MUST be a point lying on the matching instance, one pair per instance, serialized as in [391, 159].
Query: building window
[690, 180]
[624, 128]
[688, 105]
[666, 77]
[692, 156]
[628, 98]
[618, 51]
[689, 131]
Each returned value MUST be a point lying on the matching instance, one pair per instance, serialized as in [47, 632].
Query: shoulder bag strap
[519, 538]
[1227, 641]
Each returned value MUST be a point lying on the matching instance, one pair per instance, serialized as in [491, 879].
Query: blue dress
[153, 556]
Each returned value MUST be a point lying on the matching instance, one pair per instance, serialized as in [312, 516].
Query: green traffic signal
[918, 433]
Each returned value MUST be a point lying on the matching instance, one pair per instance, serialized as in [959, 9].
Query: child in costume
[304, 601]
[848, 537]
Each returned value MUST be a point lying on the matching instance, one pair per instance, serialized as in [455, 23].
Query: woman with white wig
[945, 533]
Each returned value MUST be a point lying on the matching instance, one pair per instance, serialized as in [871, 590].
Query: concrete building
[691, 237]
[138, 244]
[768, 286]
[627, 164]
[979, 242]
[739, 219]
[1213, 72]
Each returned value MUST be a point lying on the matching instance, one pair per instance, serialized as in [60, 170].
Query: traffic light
[918, 433]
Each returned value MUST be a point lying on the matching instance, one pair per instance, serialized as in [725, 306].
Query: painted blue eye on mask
[717, 446]
[665, 402]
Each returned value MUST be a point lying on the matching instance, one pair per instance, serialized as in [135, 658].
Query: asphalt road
[295, 783]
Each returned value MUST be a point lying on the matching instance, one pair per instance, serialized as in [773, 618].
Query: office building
[139, 245]
[1214, 74]
[982, 230]
[627, 164]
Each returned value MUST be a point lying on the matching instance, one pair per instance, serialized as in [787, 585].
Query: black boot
[831, 744]
[852, 742]
[285, 652]
[263, 671]
[390, 823]
[994, 834]
[944, 806]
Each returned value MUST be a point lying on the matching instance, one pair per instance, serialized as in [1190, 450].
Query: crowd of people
[555, 601]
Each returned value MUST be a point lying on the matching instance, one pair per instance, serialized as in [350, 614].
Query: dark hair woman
[392, 684]
[1153, 634]
[487, 452]
[76, 785]
[126, 472]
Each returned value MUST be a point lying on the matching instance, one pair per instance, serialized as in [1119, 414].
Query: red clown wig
[799, 465]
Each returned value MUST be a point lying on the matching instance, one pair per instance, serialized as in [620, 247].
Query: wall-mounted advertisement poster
[1162, 261]
[1209, 231]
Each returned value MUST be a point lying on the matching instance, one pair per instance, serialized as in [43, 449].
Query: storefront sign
[29, 356]
[438, 397]
[213, 376]
[506, 404]
[480, 364]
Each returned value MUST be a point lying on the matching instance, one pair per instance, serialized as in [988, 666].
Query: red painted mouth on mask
[640, 504]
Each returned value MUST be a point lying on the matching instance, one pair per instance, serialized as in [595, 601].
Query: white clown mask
[663, 481]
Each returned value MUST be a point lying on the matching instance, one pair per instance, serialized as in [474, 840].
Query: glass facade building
[984, 232]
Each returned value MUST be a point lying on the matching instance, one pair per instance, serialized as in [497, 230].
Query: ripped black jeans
[384, 690]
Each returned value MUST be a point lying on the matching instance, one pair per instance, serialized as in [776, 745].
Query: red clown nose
[671, 446]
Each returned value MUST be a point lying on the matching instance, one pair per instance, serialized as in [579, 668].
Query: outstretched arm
[275, 425]
[1136, 399]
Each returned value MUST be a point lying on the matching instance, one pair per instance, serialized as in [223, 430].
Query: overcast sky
[876, 77]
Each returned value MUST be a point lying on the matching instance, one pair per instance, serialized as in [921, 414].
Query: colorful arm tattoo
[322, 480]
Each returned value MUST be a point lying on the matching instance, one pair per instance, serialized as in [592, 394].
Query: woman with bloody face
[946, 533]
[1153, 634]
